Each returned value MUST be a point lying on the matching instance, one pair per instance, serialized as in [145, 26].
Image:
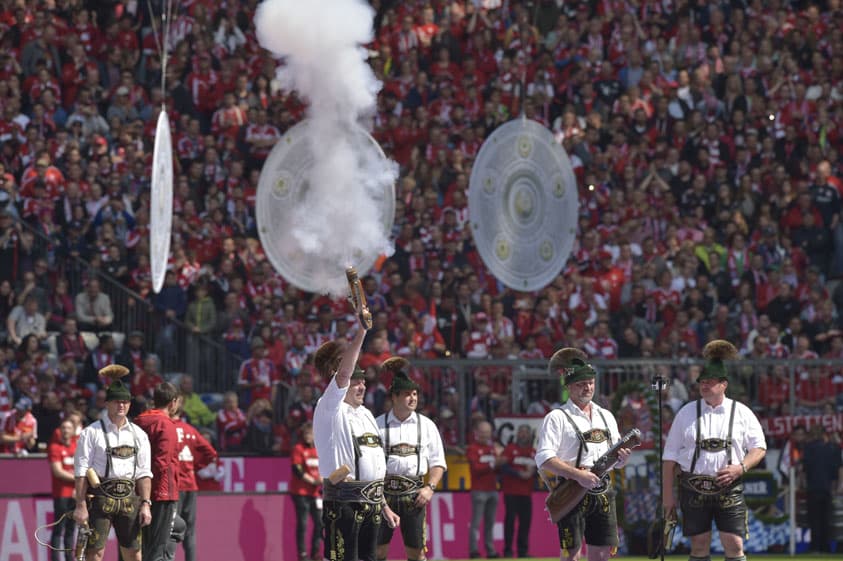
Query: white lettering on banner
[44, 514]
[441, 505]
[15, 544]
[783, 426]
[228, 482]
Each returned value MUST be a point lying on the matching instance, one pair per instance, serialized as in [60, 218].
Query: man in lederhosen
[570, 440]
[413, 448]
[351, 461]
[113, 475]
[714, 441]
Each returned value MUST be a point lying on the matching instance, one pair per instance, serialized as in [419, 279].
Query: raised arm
[349, 358]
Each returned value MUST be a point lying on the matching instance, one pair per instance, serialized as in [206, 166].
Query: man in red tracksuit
[195, 452]
[305, 490]
[483, 461]
[163, 443]
[517, 481]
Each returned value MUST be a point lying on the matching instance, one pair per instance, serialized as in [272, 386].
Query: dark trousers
[819, 517]
[62, 536]
[307, 507]
[351, 530]
[156, 536]
[520, 507]
[187, 511]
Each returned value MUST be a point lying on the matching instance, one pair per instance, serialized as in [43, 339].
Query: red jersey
[304, 460]
[57, 451]
[231, 427]
[481, 464]
[195, 452]
[519, 461]
[163, 443]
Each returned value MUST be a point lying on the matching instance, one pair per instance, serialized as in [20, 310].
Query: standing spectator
[231, 424]
[305, 489]
[172, 301]
[517, 482]
[258, 378]
[484, 459]
[93, 308]
[60, 454]
[821, 464]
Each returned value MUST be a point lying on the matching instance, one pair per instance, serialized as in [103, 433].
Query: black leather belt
[370, 492]
[401, 484]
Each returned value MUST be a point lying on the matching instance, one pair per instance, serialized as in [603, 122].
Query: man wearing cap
[351, 458]
[713, 441]
[413, 449]
[570, 441]
[113, 476]
[20, 428]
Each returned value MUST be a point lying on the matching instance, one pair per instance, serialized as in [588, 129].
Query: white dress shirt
[714, 423]
[335, 425]
[406, 432]
[90, 450]
[558, 439]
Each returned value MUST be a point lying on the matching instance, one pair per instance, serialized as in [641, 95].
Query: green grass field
[714, 557]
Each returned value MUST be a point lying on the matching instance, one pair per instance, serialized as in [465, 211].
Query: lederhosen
[115, 501]
[702, 499]
[401, 492]
[595, 518]
[351, 512]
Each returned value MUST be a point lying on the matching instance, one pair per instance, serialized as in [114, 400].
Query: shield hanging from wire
[522, 205]
[161, 202]
[310, 231]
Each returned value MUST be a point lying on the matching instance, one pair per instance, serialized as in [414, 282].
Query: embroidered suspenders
[122, 452]
[594, 435]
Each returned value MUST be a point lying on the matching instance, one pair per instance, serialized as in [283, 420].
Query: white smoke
[321, 42]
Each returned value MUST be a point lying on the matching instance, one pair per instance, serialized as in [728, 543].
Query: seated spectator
[93, 308]
[71, 342]
[258, 377]
[25, 319]
[133, 355]
[231, 424]
[260, 436]
[60, 307]
[195, 409]
[20, 429]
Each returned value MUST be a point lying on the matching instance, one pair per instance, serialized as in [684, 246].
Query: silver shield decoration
[522, 205]
[317, 260]
[161, 202]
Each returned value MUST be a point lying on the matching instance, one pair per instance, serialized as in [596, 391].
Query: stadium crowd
[705, 139]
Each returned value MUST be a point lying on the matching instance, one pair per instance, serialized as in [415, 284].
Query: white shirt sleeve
[675, 436]
[435, 448]
[81, 461]
[144, 454]
[550, 435]
[754, 434]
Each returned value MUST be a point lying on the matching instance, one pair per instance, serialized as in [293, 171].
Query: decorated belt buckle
[601, 487]
[713, 444]
[704, 485]
[373, 492]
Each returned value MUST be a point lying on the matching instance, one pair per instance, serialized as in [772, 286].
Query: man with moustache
[571, 439]
[351, 458]
[713, 441]
[414, 449]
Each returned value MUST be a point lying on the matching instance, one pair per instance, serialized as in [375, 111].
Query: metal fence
[213, 366]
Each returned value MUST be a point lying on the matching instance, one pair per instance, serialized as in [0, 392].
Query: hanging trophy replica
[522, 205]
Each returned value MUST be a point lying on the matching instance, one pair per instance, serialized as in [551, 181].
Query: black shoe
[474, 555]
[493, 555]
[508, 554]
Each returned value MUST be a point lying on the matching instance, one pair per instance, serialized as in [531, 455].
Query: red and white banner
[783, 426]
[254, 526]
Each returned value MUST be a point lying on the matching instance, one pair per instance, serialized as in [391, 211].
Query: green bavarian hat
[401, 382]
[714, 370]
[578, 371]
[358, 374]
[118, 391]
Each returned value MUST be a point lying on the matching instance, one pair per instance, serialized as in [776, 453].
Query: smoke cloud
[321, 43]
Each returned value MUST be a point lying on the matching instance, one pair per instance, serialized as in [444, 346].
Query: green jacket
[202, 314]
[197, 412]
